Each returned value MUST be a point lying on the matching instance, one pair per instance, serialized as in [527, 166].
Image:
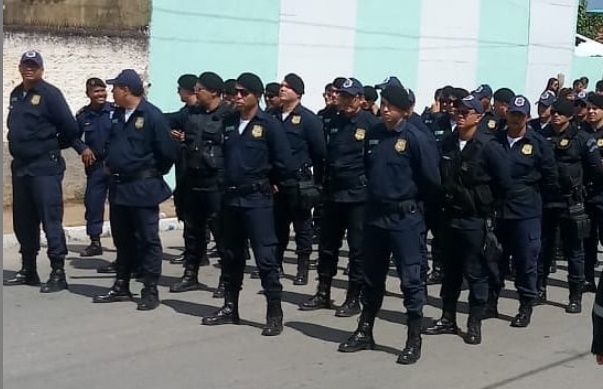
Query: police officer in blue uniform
[345, 192]
[594, 192]
[518, 215]
[140, 151]
[501, 98]
[94, 121]
[272, 98]
[488, 122]
[474, 173]
[296, 196]
[257, 155]
[402, 171]
[546, 100]
[40, 124]
[577, 157]
[202, 174]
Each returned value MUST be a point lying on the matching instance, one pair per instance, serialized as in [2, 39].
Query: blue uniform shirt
[259, 156]
[40, 124]
[345, 173]
[402, 165]
[94, 125]
[533, 170]
[140, 146]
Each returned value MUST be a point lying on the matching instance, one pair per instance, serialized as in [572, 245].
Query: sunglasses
[242, 92]
[269, 96]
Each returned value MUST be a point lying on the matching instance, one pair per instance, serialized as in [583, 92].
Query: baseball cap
[483, 92]
[389, 81]
[581, 97]
[472, 102]
[33, 56]
[127, 77]
[351, 86]
[547, 98]
[520, 104]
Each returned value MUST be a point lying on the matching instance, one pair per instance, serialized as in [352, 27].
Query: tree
[590, 25]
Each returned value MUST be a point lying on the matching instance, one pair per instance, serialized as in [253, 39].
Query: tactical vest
[569, 161]
[204, 156]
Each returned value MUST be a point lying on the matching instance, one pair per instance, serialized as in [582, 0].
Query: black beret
[187, 82]
[460, 93]
[295, 82]
[211, 81]
[338, 82]
[273, 88]
[564, 106]
[229, 86]
[396, 96]
[504, 95]
[370, 93]
[252, 83]
[595, 99]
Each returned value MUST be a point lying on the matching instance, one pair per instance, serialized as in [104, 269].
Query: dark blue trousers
[202, 210]
[286, 212]
[97, 187]
[257, 224]
[135, 232]
[39, 200]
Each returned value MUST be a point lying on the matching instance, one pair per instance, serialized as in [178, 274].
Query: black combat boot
[28, 275]
[541, 286]
[491, 310]
[445, 325]
[362, 338]
[523, 317]
[351, 305]
[303, 268]
[57, 280]
[229, 313]
[474, 325]
[274, 316]
[590, 286]
[575, 298]
[120, 291]
[435, 277]
[107, 269]
[412, 350]
[149, 296]
[94, 248]
[189, 280]
[220, 290]
[322, 298]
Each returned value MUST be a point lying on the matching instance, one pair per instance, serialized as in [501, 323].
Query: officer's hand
[178, 135]
[435, 107]
[600, 359]
[88, 157]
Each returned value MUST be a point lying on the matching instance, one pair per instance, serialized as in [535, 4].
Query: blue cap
[411, 97]
[127, 77]
[483, 92]
[473, 103]
[33, 56]
[351, 86]
[519, 103]
[547, 98]
[389, 81]
[581, 97]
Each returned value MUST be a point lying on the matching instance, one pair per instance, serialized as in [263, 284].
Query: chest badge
[564, 142]
[139, 123]
[35, 99]
[600, 142]
[296, 119]
[527, 149]
[400, 145]
[491, 124]
[360, 134]
[257, 131]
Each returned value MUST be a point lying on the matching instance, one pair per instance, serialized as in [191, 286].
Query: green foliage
[590, 25]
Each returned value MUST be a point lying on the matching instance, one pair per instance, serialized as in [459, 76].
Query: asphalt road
[65, 341]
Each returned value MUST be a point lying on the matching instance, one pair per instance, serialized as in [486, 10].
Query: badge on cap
[564, 142]
[347, 83]
[296, 119]
[257, 131]
[520, 101]
[139, 123]
[479, 89]
[400, 145]
[35, 99]
[491, 124]
[360, 134]
[600, 142]
[526, 149]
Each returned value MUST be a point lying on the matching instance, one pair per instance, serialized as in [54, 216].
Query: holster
[493, 250]
[577, 222]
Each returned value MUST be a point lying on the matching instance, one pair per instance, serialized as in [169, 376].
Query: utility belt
[123, 178]
[247, 189]
[405, 207]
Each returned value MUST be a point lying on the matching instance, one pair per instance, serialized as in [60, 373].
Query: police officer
[580, 110]
[256, 151]
[40, 124]
[140, 151]
[518, 215]
[345, 191]
[370, 100]
[577, 157]
[94, 122]
[202, 175]
[547, 98]
[594, 190]
[474, 173]
[272, 98]
[402, 171]
[229, 92]
[489, 122]
[501, 98]
[297, 196]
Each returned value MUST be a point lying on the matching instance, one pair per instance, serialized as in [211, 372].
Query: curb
[78, 234]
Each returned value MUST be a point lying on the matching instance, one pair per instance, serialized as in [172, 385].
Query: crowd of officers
[501, 192]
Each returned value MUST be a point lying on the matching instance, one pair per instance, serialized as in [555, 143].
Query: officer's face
[500, 108]
[328, 96]
[559, 120]
[97, 95]
[516, 121]
[580, 110]
[272, 101]
[244, 99]
[119, 95]
[348, 103]
[203, 95]
[544, 112]
[30, 71]
[185, 94]
[391, 115]
[286, 94]
[594, 113]
[466, 118]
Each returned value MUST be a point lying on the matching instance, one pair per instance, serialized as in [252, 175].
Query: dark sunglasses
[270, 96]
[242, 92]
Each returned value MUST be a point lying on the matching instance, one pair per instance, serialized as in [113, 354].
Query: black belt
[121, 178]
[247, 189]
[405, 207]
